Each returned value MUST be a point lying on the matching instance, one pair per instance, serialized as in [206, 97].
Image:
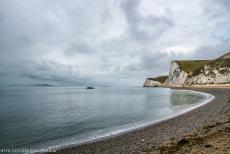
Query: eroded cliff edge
[194, 72]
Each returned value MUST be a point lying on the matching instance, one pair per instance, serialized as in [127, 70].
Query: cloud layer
[106, 42]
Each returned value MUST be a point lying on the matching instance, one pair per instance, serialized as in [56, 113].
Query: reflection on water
[183, 98]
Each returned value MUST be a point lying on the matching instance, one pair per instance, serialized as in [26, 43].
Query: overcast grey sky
[106, 42]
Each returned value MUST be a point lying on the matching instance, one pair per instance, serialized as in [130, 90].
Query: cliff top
[199, 72]
[225, 56]
[191, 65]
[160, 79]
[195, 65]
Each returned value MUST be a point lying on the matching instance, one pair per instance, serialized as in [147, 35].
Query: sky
[106, 42]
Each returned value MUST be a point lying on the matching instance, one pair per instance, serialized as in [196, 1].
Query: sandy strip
[213, 86]
[145, 140]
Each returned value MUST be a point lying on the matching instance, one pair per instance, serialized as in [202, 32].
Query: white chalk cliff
[177, 76]
[151, 83]
[198, 72]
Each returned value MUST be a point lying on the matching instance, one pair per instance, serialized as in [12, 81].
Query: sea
[54, 117]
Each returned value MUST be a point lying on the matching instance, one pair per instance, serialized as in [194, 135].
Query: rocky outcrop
[156, 81]
[209, 75]
[151, 83]
[177, 76]
[197, 72]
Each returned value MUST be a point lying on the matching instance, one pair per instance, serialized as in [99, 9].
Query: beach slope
[205, 128]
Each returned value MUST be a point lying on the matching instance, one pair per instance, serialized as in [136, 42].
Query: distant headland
[195, 73]
[43, 85]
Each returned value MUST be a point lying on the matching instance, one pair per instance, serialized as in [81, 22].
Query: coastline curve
[116, 133]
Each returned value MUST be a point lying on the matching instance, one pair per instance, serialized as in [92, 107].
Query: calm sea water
[45, 117]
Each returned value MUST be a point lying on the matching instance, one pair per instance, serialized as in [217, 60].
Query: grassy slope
[192, 65]
[195, 66]
[160, 79]
[218, 63]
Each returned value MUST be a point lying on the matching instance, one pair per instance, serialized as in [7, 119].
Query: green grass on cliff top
[160, 79]
[196, 65]
[215, 64]
[192, 65]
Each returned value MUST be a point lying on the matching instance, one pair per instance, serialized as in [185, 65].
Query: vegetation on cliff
[195, 66]
[219, 63]
[197, 72]
[192, 65]
[160, 79]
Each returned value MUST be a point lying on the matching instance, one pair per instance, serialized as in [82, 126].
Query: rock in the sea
[90, 88]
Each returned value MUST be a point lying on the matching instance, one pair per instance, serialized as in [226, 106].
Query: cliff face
[155, 82]
[197, 72]
[210, 75]
[152, 83]
[177, 76]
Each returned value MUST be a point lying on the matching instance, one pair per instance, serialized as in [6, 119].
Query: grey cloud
[155, 63]
[150, 64]
[219, 14]
[42, 41]
[3, 73]
[1, 17]
[11, 37]
[45, 71]
[20, 32]
[212, 51]
[151, 61]
[144, 28]
[147, 62]
[224, 3]
[79, 47]
[48, 70]
[217, 9]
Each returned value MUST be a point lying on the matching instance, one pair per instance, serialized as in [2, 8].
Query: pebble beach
[192, 132]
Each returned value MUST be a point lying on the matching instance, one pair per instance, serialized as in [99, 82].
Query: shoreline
[140, 126]
[151, 135]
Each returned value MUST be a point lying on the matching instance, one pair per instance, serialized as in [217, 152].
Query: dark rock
[90, 88]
